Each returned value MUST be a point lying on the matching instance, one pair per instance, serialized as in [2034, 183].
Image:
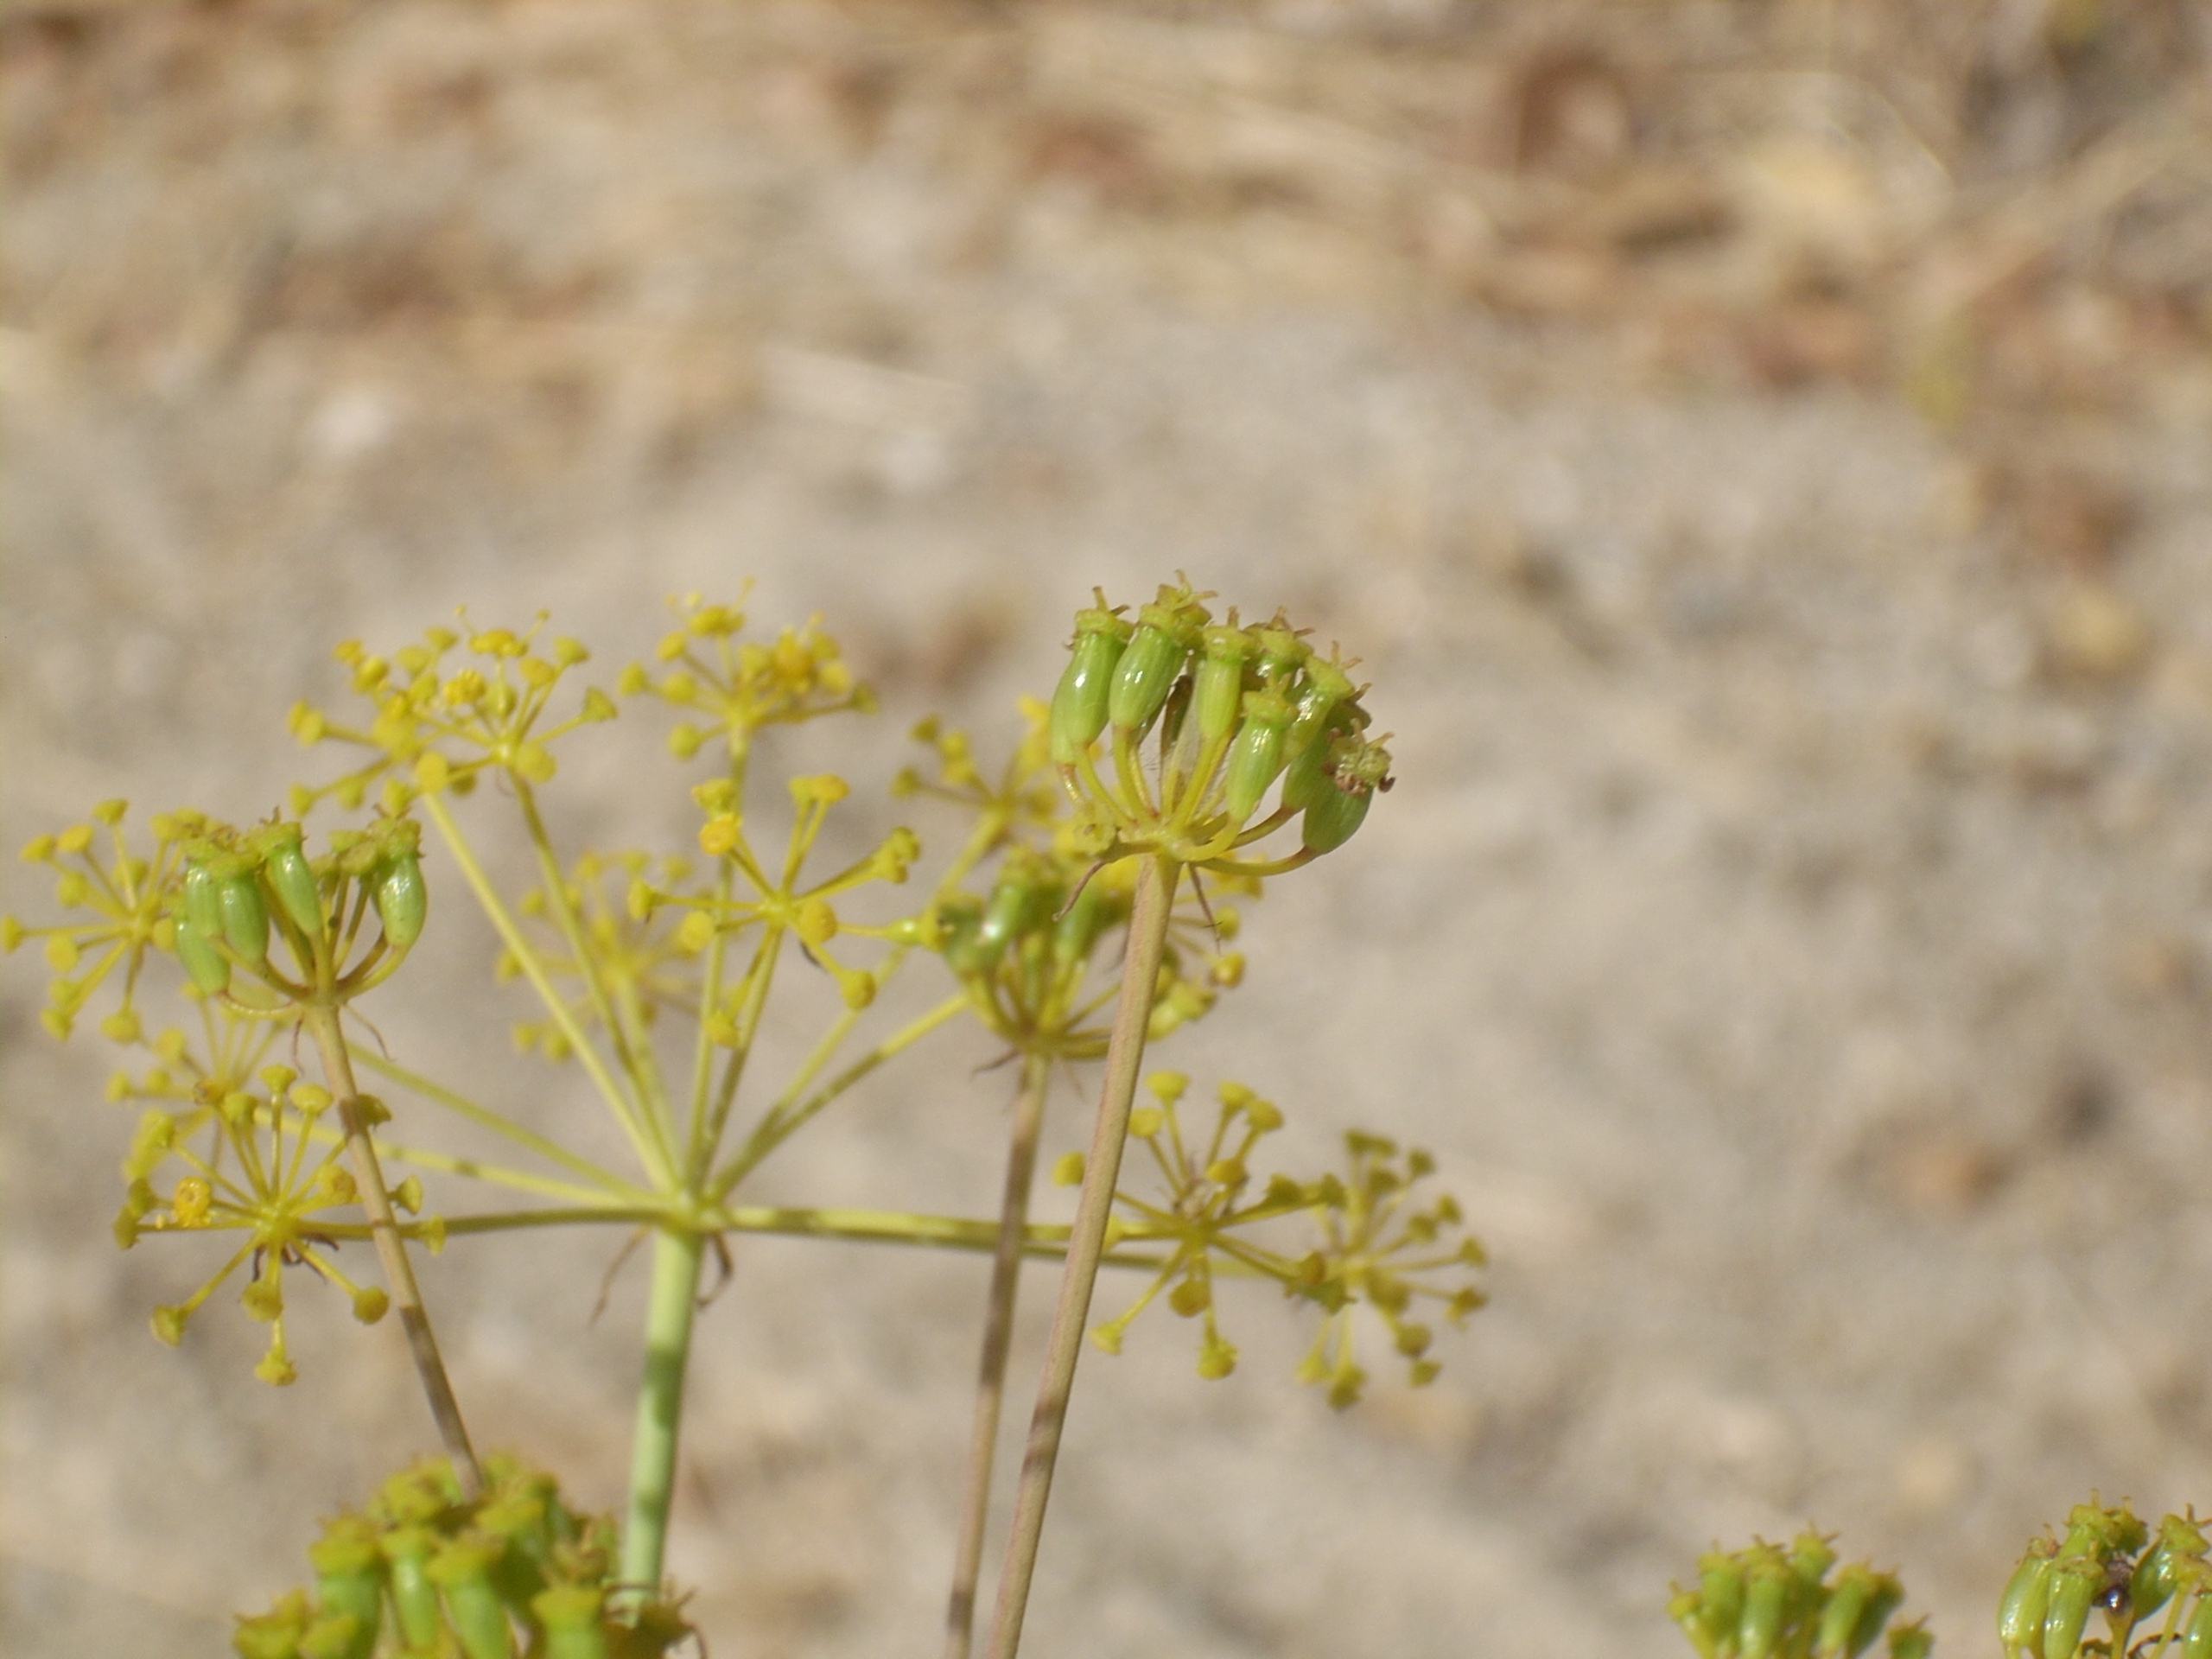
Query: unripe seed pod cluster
[426, 1570]
[1766, 1602]
[1236, 710]
[2110, 1570]
[239, 892]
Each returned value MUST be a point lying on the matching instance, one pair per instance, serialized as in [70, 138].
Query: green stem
[648, 1149]
[998, 1337]
[322, 1020]
[670, 1307]
[499, 1123]
[1086, 1245]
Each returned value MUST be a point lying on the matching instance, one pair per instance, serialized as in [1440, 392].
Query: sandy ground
[1789, 930]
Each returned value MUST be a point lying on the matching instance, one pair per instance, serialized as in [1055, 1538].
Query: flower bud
[2027, 1595]
[1255, 755]
[1153, 662]
[1078, 713]
[290, 877]
[1219, 693]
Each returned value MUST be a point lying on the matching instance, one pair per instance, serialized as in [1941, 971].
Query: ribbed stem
[998, 1337]
[391, 1249]
[1086, 1244]
[671, 1304]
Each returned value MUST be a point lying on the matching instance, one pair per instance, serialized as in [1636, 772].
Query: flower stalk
[1148, 919]
[321, 1021]
[998, 1339]
[672, 1303]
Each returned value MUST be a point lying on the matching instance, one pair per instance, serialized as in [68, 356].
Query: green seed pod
[1834, 1637]
[2094, 1530]
[1255, 755]
[2151, 1584]
[349, 1580]
[335, 1636]
[1811, 1557]
[201, 907]
[245, 915]
[2197, 1640]
[268, 1636]
[208, 968]
[1153, 662]
[1219, 692]
[1325, 688]
[1079, 703]
[413, 1596]
[1686, 1609]
[656, 1628]
[290, 877]
[2027, 1597]
[2159, 1574]
[1767, 1594]
[1720, 1597]
[571, 1615]
[517, 1521]
[403, 899]
[1282, 653]
[2076, 1584]
[1080, 924]
[1912, 1642]
[275, 1634]
[463, 1569]
[1888, 1596]
[1332, 816]
[1015, 908]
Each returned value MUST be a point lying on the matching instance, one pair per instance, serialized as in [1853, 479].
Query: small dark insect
[293, 1256]
[2120, 1572]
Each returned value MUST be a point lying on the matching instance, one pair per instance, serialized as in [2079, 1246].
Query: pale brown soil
[1789, 929]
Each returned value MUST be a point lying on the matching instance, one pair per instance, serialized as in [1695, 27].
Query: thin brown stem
[391, 1249]
[1086, 1244]
[998, 1339]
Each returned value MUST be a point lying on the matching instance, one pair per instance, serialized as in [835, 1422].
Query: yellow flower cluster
[439, 726]
[261, 1165]
[737, 686]
[121, 899]
[1378, 1248]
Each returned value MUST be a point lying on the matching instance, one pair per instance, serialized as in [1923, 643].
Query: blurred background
[1763, 452]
